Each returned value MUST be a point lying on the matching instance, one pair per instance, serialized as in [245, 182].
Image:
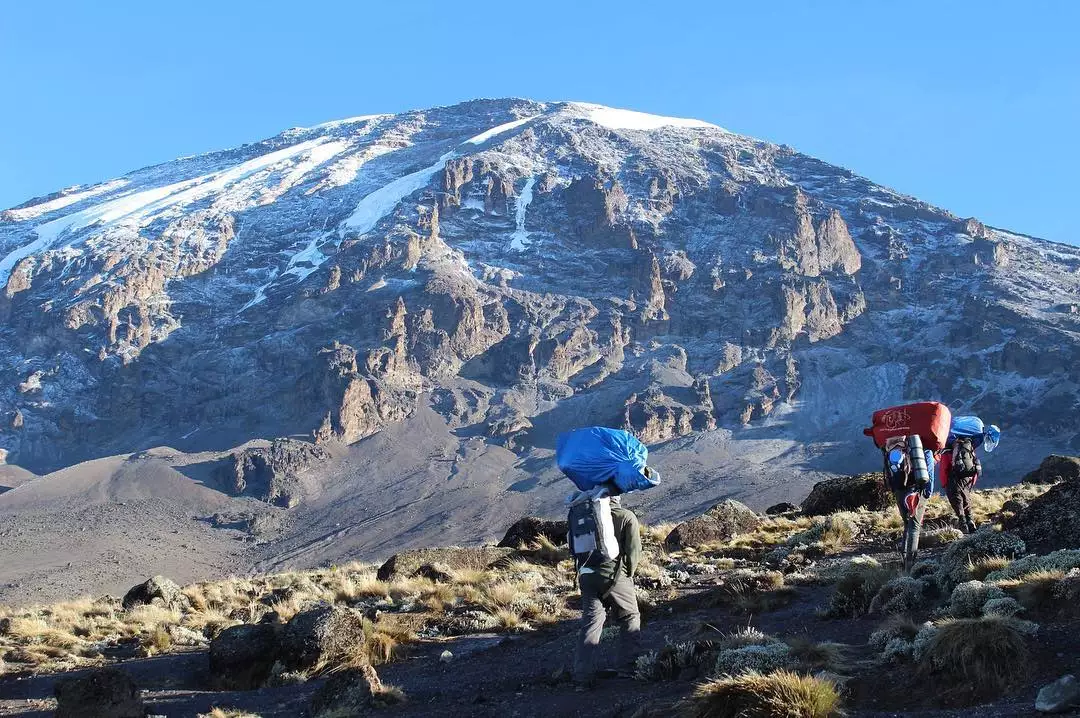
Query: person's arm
[978, 470]
[632, 543]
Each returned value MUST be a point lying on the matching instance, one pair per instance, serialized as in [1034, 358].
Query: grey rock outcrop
[272, 474]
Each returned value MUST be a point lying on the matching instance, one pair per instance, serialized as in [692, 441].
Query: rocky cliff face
[498, 260]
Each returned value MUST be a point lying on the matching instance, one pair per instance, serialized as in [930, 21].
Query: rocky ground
[979, 627]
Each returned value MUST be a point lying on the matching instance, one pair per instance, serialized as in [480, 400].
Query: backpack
[898, 473]
[591, 533]
[963, 459]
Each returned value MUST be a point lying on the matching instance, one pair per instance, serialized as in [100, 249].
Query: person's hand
[928, 491]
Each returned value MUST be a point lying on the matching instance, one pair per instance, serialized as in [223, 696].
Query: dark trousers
[959, 493]
[912, 523]
[598, 597]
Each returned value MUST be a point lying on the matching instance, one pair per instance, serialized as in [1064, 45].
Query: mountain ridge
[433, 296]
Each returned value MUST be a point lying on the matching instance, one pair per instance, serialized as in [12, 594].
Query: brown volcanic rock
[847, 493]
[241, 657]
[319, 634]
[1051, 521]
[720, 523]
[1055, 468]
[405, 563]
[352, 691]
[157, 591]
[103, 693]
[528, 530]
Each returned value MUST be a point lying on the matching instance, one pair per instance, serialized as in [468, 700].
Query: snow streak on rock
[519, 241]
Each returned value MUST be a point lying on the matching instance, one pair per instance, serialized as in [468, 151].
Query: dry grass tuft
[825, 656]
[983, 656]
[228, 713]
[855, 590]
[982, 567]
[389, 695]
[545, 552]
[752, 695]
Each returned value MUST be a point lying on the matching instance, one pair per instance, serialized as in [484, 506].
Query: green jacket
[628, 534]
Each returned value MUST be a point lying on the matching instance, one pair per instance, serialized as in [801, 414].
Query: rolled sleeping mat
[919, 471]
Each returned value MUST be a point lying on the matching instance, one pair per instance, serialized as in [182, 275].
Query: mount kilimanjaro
[413, 306]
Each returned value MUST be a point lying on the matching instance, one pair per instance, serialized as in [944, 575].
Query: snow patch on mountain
[66, 200]
[616, 119]
[373, 207]
[379, 203]
[485, 136]
[140, 208]
[333, 124]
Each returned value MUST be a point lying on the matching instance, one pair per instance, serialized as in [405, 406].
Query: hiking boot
[971, 527]
[909, 561]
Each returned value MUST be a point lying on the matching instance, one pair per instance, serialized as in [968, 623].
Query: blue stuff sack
[980, 434]
[590, 457]
[966, 426]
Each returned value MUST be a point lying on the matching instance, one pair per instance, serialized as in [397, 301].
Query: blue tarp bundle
[972, 426]
[589, 457]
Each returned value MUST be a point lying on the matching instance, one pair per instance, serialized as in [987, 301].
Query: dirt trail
[520, 674]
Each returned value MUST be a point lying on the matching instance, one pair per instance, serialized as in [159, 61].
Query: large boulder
[319, 635]
[347, 692]
[405, 564]
[720, 523]
[1054, 468]
[102, 693]
[1051, 521]
[242, 657]
[848, 493]
[157, 591]
[528, 530]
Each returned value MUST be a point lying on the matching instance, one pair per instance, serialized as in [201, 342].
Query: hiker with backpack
[960, 467]
[605, 541]
[909, 437]
[604, 537]
[908, 474]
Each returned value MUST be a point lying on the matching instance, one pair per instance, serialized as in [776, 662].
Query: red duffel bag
[928, 419]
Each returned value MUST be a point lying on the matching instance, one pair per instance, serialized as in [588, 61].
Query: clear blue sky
[974, 106]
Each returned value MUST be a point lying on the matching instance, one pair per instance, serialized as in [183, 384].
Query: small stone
[446, 657]
[1059, 696]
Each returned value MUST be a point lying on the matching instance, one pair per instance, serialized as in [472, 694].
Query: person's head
[616, 501]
